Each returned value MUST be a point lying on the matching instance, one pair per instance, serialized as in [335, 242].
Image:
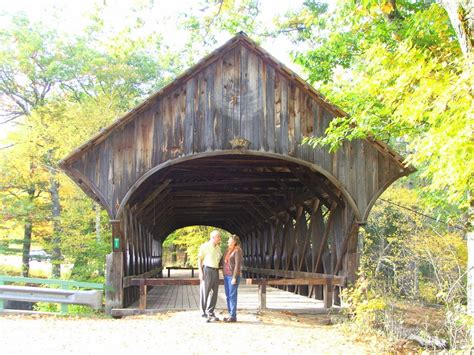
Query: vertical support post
[328, 294]
[114, 293]
[143, 294]
[262, 295]
[351, 259]
[117, 238]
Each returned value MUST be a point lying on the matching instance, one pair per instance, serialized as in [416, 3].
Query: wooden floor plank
[187, 297]
[169, 299]
[195, 297]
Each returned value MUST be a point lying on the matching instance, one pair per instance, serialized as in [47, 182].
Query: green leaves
[62, 90]
[402, 79]
[191, 238]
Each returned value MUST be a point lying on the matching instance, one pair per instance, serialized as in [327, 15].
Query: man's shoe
[213, 318]
[204, 315]
[230, 320]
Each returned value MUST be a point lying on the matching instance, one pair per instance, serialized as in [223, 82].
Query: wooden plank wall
[240, 94]
[301, 241]
[141, 252]
[312, 239]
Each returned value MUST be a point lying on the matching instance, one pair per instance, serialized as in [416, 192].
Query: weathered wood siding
[239, 94]
[141, 252]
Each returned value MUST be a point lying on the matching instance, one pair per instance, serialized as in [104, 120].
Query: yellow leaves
[427, 101]
[226, 5]
[447, 253]
[386, 8]
[396, 37]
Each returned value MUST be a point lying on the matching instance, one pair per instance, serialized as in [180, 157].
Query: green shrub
[364, 305]
[16, 271]
[75, 309]
[47, 307]
[9, 270]
[428, 292]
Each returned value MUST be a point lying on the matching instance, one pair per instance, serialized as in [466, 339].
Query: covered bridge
[220, 146]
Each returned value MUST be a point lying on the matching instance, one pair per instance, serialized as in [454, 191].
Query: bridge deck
[186, 297]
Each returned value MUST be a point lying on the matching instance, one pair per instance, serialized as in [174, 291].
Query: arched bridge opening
[293, 221]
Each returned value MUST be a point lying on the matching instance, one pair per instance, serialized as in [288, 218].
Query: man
[208, 262]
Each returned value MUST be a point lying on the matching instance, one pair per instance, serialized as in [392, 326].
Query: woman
[232, 265]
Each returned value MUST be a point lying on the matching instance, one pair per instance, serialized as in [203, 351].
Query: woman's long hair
[231, 249]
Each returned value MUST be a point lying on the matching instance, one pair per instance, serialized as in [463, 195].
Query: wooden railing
[127, 280]
[294, 278]
[310, 279]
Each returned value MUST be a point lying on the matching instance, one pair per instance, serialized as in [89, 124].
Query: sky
[70, 17]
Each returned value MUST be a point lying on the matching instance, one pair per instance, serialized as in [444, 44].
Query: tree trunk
[100, 271]
[25, 266]
[56, 255]
[470, 266]
[461, 15]
[174, 257]
[28, 231]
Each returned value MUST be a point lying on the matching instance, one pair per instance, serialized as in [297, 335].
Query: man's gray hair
[215, 233]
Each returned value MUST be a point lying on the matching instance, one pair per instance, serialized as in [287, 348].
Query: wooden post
[262, 295]
[117, 238]
[113, 281]
[328, 294]
[114, 271]
[143, 294]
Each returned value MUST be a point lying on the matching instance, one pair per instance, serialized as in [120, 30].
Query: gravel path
[175, 332]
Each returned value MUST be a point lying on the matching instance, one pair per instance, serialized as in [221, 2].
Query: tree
[23, 191]
[45, 76]
[191, 238]
[214, 18]
[398, 68]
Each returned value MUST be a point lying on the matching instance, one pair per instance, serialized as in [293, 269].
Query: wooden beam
[157, 204]
[309, 184]
[162, 207]
[150, 198]
[269, 208]
[143, 294]
[180, 175]
[128, 279]
[328, 293]
[326, 235]
[286, 282]
[114, 287]
[336, 280]
[354, 229]
[227, 182]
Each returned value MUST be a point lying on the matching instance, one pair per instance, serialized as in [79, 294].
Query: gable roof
[240, 39]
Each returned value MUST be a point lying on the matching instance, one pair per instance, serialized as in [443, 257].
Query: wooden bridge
[220, 146]
[182, 293]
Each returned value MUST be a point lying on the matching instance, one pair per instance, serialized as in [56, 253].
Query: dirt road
[176, 332]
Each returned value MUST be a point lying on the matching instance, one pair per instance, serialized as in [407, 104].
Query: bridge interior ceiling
[231, 192]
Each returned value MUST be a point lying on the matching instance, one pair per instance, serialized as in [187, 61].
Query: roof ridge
[240, 37]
